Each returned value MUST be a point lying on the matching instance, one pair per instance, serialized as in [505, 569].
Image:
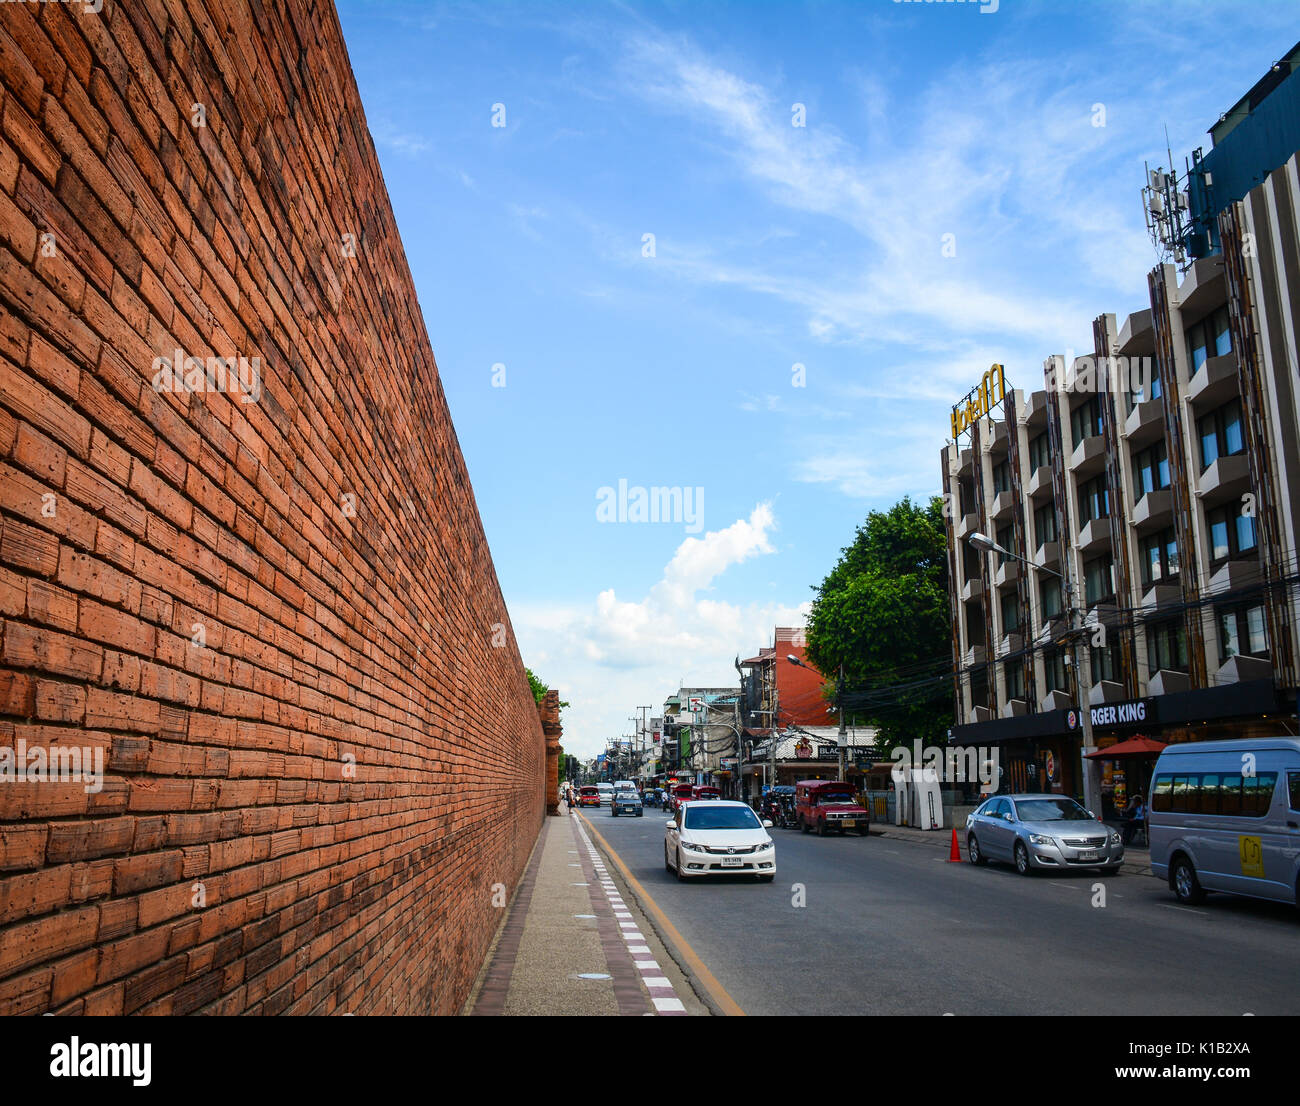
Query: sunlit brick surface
[231, 598]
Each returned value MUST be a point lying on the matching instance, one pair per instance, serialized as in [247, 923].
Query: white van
[1225, 816]
[606, 793]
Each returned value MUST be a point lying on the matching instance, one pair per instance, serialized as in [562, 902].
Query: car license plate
[848, 823]
[1091, 854]
[732, 862]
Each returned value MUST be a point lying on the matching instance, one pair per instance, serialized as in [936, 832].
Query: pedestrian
[1135, 816]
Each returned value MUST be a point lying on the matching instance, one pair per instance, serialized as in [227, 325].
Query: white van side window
[1293, 785]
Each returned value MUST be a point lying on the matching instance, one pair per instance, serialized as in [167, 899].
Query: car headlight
[1040, 839]
[1115, 838]
[764, 847]
[694, 847]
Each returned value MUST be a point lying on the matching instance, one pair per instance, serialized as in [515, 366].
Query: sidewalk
[573, 944]
[1137, 861]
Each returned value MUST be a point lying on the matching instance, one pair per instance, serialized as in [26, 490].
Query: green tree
[540, 688]
[882, 612]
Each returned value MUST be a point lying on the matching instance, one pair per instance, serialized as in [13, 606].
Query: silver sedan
[1041, 832]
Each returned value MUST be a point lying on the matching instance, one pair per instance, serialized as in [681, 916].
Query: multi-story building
[700, 732]
[1146, 498]
[790, 700]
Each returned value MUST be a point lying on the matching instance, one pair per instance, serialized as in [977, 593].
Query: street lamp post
[1082, 683]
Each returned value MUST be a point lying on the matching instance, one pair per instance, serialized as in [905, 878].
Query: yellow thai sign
[1252, 856]
[979, 402]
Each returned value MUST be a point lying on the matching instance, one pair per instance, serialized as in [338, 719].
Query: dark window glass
[1014, 675]
[1220, 433]
[1051, 593]
[1045, 524]
[1094, 499]
[1293, 789]
[1099, 579]
[1158, 555]
[1166, 646]
[1150, 470]
[1231, 533]
[1085, 420]
[1038, 452]
[1010, 613]
[1001, 477]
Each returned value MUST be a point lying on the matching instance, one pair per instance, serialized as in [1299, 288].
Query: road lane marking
[724, 1002]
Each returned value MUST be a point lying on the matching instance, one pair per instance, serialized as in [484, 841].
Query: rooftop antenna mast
[1165, 203]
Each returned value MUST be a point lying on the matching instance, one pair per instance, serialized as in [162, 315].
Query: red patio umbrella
[1145, 747]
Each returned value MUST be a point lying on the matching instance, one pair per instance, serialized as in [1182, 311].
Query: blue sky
[774, 246]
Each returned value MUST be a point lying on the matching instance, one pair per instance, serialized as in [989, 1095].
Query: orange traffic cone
[954, 857]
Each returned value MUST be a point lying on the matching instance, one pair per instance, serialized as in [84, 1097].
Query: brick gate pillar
[550, 711]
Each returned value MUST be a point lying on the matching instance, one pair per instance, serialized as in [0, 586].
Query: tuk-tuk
[678, 794]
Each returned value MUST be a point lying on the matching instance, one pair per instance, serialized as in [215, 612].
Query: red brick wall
[230, 598]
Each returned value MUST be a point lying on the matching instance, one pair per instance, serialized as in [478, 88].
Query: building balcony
[981, 714]
[1040, 481]
[1034, 410]
[997, 433]
[1235, 575]
[1106, 691]
[967, 524]
[1153, 510]
[1227, 478]
[1089, 456]
[1137, 336]
[1047, 554]
[974, 656]
[1008, 572]
[1161, 595]
[1003, 504]
[1054, 700]
[972, 589]
[1168, 682]
[965, 462]
[1014, 708]
[1203, 288]
[1239, 669]
[1094, 535]
[1214, 383]
[1010, 643]
[1145, 423]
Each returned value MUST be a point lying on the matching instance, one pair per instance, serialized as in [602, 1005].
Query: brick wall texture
[273, 610]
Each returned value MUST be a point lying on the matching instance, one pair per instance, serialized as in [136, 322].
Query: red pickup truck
[828, 805]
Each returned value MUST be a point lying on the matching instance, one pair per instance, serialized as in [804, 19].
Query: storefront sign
[803, 749]
[1133, 713]
[828, 752]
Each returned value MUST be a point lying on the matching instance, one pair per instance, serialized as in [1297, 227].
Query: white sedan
[715, 837]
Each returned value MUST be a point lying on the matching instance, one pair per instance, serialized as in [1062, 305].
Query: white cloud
[609, 655]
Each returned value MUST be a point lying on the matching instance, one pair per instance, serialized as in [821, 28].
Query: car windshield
[1051, 810]
[835, 797]
[720, 818]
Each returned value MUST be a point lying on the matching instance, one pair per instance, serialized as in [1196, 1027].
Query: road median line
[713, 991]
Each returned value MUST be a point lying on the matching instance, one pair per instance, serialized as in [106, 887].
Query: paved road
[890, 927]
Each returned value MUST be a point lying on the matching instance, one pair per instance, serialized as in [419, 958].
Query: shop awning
[1139, 747]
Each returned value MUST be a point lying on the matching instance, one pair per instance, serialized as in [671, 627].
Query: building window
[1054, 674]
[1094, 500]
[1013, 674]
[1051, 595]
[1003, 538]
[1045, 524]
[1085, 420]
[975, 624]
[1001, 477]
[1166, 646]
[1220, 433]
[1010, 613]
[1038, 452]
[1105, 663]
[1099, 579]
[1242, 632]
[1150, 471]
[1159, 555]
[1211, 337]
[979, 687]
[1144, 381]
[1232, 533]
